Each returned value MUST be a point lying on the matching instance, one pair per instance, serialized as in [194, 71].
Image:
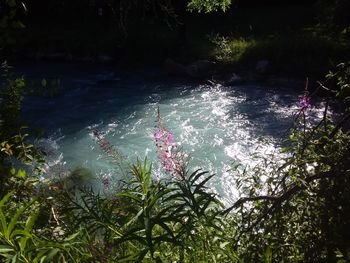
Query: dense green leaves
[147, 217]
[19, 241]
[209, 5]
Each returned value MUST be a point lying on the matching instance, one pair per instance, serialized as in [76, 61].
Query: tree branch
[292, 189]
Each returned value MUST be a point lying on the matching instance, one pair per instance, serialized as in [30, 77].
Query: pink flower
[169, 138]
[105, 145]
[165, 145]
[171, 160]
[304, 101]
[105, 182]
[158, 134]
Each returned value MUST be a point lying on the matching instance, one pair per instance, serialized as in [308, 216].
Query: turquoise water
[215, 125]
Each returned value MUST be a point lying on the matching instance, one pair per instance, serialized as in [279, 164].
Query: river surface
[217, 126]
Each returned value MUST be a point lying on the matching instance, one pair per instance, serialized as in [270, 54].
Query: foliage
[209, 6]
[229, 50]
[9, 22]
[340, 81]
[163, 8]
[147, 220]
[301, 54]
[303, 212]
[335, 14]
[19, 239]
[12, 92]
[14, 146]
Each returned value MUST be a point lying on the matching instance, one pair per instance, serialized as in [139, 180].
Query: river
[217, 126]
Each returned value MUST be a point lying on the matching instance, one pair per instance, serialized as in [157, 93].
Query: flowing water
[216, 126]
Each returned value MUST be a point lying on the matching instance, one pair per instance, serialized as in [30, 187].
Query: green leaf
[13, 171]
[196, 175]
[43, 83]
[134, 219]
[51, 255]
[71, 237]
[224, 244]
[201, 184]
[132, 196]
[5, 249]
[14, 259]
[15, 218]
[21, 173]
[2, 216]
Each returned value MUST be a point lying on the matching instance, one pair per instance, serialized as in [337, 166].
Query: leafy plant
[300, 211]
[20, 243]
[209, 6]
[14, 137]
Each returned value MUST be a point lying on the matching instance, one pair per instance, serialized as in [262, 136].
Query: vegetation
[302, 210]
[294, 209]
[298, 214]
[306, 44]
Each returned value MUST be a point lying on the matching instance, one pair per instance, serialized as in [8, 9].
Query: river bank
[294, 47]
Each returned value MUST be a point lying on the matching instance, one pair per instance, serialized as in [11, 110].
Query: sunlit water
[217, 126]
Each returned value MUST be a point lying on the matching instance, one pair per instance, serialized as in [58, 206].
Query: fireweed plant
[300, 213]
[111, 152]
[113, 155]
[305, 100]
[172, 160]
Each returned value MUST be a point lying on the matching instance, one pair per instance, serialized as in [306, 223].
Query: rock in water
[262, 66]
[233, 79]
[173, 68]
[200, 69]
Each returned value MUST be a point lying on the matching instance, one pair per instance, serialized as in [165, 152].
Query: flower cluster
[166, 146]
[107, 147]
[105, 182]
[103, 143]
[171, 159]
[305, 101]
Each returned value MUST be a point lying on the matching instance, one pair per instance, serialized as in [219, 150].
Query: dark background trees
[151, 31]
